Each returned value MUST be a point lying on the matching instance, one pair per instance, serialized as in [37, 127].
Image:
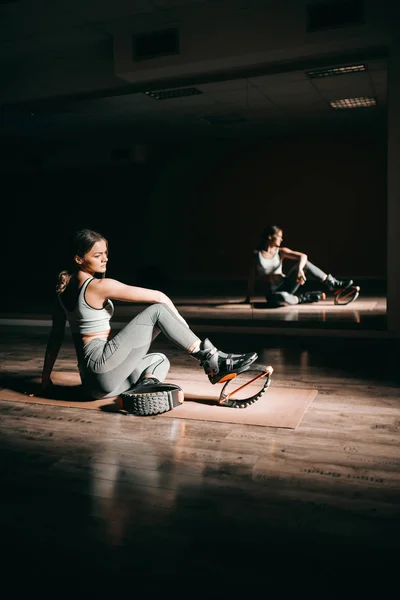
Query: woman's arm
[301, 257]
[115, 290]
[54, 342]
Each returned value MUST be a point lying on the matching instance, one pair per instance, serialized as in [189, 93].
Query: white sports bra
[269, 266]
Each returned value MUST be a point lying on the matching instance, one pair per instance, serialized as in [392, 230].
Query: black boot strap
[229, 362]
[210, 354]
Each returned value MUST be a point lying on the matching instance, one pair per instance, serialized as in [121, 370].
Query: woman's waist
[84, 326]
[272, 278]
[98, 335]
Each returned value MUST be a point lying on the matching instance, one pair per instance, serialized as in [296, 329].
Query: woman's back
[84, 318]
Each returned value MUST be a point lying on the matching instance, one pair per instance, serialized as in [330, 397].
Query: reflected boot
[308, 297]
[220, 366]
[337, 284]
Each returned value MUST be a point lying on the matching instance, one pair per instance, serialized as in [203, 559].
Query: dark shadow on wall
[44, 209]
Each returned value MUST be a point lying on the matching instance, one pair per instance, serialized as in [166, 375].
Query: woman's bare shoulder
[106, 283]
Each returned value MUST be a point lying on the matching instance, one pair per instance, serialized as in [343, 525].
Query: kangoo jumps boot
[311, 297]
[149, 396]
[220, 366]
[337, 284]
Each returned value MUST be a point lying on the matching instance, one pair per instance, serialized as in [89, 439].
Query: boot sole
[151, 403]
[347, 295]
[228, 399]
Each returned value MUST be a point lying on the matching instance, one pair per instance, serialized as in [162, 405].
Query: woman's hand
[45, 389]
[301, 278]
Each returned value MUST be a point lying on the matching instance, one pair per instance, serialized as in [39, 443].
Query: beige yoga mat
[278, 407]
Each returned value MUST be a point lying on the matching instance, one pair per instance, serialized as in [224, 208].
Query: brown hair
[83, 241]
[268, 231]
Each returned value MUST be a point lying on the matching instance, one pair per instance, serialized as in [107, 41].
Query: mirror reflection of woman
[281, 289]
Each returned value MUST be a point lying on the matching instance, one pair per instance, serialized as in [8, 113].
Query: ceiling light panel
[360, 102]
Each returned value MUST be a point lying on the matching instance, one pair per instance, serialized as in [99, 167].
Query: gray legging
[110, 367]
[284, 292]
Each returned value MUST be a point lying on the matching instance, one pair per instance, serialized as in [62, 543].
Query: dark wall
[42, 210]
[195, 211]
[327, 192]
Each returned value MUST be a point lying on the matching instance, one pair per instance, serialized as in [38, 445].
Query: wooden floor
[212, 507]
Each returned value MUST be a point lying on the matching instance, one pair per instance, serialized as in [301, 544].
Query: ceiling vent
[175, 93]
[153, 45]
[331, 15]
[334, 71]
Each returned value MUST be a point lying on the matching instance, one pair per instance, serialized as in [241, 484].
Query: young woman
[112, 364]
[280, 289]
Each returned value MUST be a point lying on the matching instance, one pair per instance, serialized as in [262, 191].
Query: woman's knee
[159, 366]
[162, 360]
[155, 311]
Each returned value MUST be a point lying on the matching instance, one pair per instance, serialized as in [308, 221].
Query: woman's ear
[78, 259]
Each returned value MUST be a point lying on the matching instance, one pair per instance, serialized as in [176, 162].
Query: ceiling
[59, 78]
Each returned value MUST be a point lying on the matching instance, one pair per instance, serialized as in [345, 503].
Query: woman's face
[276, 239]
[95, 260]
